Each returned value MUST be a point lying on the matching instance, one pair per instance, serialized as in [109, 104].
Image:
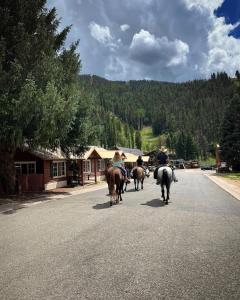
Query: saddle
[156, 170]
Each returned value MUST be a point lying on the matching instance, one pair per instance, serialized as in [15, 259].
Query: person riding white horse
[163, 160]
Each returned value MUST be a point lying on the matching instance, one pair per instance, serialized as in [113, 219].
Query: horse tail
[118, 183]
[112, 185]
[134, 172]
[165, 178]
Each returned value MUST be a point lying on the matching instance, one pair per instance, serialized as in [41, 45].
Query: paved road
[79, 248]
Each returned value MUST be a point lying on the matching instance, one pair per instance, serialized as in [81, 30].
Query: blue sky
[230, 10]
[163, 40]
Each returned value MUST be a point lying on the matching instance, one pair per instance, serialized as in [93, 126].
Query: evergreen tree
[186, 147]
[237, 74]
[196, 107]
[39, 96]
[180, 146]
[138, 140]
[132, 132]
[190, 147]
[230, 140]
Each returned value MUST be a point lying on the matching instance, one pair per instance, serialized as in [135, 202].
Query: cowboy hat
[163, 149]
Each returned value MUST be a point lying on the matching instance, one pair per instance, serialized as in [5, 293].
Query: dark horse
[138, 176]
[165, 178]
[115, 182]
[126, 183]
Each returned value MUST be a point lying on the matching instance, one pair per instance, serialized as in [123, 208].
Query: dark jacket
[139, 162]
[162, 158]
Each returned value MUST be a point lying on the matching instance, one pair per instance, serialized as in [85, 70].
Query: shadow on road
[102, 205]
[154, 203]
[133, 190]
[12, 210]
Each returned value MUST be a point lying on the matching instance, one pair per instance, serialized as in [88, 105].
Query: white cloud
[100, 33]
[224, 50]
[148, 49]
[187, 42]
[124, 27]
[182, 49]
[209, 5]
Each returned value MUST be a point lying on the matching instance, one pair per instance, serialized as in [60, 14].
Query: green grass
[149, 141]
[234, 176]
[209, 161]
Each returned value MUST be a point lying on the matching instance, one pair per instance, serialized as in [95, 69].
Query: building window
[59, 169]
[25, 168]
[100, 165]
[31, 168]
[87, 166]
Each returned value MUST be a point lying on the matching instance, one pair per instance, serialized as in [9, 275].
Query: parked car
[223, 170]
[207, 167]
[177, 163]
[194, 164]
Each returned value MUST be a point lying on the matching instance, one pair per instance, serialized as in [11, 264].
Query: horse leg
[135, 184]
[111, 199]
[163, 193]
[142, 184]
[118, 191]
[120, 196]
[121, 188]
[125, 187]
[167, 194]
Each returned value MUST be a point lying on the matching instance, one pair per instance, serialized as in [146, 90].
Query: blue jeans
[124, 172]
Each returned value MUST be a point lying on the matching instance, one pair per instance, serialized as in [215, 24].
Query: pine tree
[237, 74]
[138, 140]
[230, 140]
[38, 82]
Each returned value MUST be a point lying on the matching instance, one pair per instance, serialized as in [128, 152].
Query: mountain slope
[195, 107]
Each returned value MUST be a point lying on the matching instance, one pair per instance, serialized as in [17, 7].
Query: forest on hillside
[187, 115]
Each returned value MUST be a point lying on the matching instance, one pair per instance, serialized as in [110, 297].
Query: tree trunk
[7, 172]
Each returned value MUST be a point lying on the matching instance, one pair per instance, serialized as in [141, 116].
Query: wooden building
[42, 170]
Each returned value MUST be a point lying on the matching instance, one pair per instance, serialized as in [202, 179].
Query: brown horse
[138, 176]
[115, 181]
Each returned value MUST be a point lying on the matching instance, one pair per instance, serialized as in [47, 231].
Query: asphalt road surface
[80, 248]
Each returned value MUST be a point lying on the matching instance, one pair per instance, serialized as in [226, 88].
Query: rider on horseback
[163, 160]
[140, 162]
[117, 162]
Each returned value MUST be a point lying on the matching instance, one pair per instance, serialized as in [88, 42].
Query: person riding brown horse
[118, 162]
[115, 182]
[115, 179]
[138, 176]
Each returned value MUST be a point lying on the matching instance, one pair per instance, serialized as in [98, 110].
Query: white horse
[165, 177]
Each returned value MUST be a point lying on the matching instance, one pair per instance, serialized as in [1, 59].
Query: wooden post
[80, 168]
[218, 159]
[95, 169]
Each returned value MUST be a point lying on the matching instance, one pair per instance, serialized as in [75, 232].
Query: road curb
[226, 186]
[14, 205]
